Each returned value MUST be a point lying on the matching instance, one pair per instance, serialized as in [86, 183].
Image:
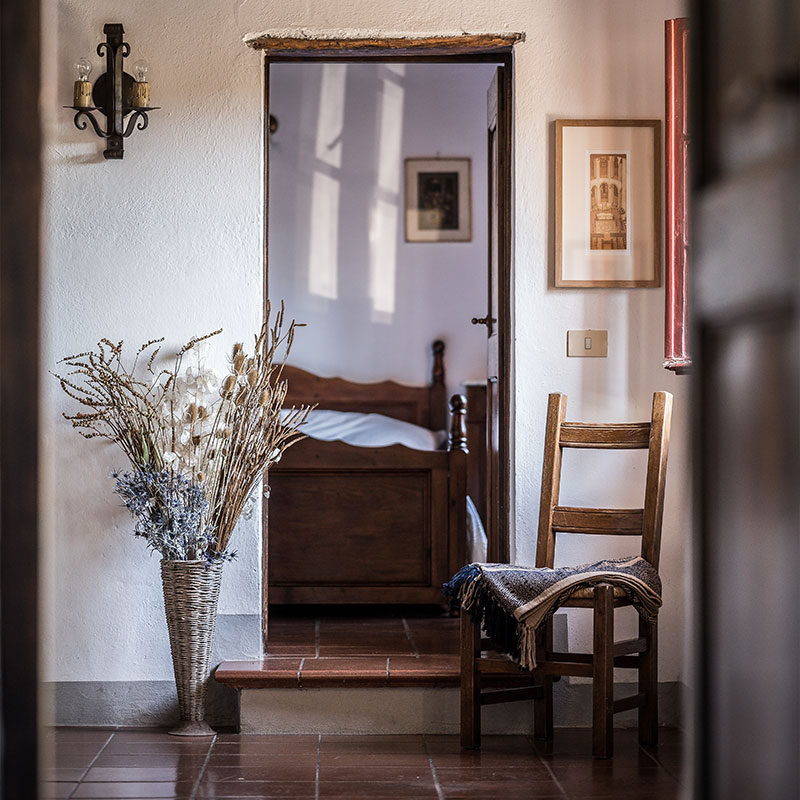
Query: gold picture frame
[438, 200]
[608, 203]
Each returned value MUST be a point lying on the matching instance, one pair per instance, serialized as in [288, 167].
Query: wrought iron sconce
[115, 94]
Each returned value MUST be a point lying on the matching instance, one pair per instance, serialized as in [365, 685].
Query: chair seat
[588, 594]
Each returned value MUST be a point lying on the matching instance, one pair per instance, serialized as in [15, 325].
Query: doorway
[391, 63]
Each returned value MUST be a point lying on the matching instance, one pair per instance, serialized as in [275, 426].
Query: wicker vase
[191, 591]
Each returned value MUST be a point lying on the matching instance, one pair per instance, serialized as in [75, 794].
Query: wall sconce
[115, 94]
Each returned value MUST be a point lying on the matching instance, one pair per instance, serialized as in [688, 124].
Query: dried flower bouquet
[197, 446]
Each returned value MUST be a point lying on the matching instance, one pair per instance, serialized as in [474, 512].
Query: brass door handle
[483, 320]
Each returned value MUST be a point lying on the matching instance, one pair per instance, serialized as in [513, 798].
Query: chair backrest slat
[644, 522]
[632, 436]
[609, 521]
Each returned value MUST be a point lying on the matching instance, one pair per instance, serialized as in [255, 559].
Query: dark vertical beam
[20, 188]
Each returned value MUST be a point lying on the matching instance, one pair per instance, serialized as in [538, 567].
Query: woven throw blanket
[512, 602]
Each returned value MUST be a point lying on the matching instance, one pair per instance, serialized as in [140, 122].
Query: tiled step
[359, 672]
[278, 672]
[357, 695]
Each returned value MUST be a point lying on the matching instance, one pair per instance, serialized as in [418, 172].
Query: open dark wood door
[746, 303]
[498, 395]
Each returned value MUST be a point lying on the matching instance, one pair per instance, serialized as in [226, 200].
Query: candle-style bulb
[140, 70]
[84, 68]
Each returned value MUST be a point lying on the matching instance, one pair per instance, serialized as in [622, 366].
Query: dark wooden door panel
[498, 123]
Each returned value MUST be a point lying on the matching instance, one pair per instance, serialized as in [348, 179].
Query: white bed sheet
[369, 430]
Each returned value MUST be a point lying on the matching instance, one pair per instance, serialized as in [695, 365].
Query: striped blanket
[512, 601]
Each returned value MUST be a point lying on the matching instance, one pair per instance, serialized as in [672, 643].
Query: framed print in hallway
[438, 200]
[608, 203]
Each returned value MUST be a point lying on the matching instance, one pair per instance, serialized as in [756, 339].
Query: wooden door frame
[468, 49]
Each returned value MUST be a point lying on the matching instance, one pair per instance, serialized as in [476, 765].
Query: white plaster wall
[169, 241]
[374, 302]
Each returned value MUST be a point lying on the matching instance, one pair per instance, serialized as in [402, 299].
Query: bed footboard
[367, 525]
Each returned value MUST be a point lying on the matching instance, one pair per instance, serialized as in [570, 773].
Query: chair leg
[648, 683]
[543, 707]
[603, 672]
[470, 683]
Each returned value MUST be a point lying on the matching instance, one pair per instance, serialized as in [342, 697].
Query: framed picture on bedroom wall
[607, 203]
[438, 200]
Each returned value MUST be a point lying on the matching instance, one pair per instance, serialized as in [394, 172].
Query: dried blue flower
[170, 513]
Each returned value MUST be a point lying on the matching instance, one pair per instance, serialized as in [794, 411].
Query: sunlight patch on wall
[324, 244]
[385, 209]
[383, 260]
[330, 120]
[390, 140]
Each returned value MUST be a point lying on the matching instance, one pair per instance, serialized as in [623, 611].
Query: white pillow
[369, 430]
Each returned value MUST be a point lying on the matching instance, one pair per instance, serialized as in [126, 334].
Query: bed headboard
[421, 405]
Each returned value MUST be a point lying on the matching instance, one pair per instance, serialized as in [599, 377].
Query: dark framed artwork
[438, 200]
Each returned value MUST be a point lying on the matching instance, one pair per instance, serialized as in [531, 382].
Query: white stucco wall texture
[168, 242]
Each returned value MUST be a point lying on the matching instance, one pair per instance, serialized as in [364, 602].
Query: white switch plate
[587, 344]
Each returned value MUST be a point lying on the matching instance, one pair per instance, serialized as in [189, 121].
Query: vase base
[190, 727]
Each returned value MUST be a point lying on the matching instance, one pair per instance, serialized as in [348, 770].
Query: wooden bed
[369, 525]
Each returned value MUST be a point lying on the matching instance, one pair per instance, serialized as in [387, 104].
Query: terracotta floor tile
[169, 745]
[131, 790]
[578, 743]
[260, 789]
[378, 773]
[374, 745]
[273, 671]
[143, 774]
[432, 644]
[300, 650]
[388, 758]
[479, 782]
[61, 737]
[77, 749]
[369, 644]
[489, 744]
[364, 651]
[63, 774]
[57, 790]
[361, 671]
[490, 761]
[151, 760]
[232, 744]
[61, 761]
[619, 792]
[226, 758]
[372, 767]
[282, 770]
[440, 670]
[369, 789]
[610, 784]
[142, 735]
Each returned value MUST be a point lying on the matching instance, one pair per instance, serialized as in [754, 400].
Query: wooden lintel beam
[323, 45]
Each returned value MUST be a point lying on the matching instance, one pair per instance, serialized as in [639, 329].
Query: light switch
[587, 344]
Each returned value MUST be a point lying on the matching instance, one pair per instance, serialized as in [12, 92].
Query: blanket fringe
[469, 591]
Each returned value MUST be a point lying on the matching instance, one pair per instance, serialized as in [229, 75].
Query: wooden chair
[640, 653]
